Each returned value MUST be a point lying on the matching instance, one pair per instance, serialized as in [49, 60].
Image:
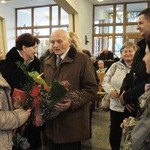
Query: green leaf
[37, 77]
[57, 90]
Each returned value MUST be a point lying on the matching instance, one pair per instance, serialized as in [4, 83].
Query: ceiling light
[3, 1]
[100, 0]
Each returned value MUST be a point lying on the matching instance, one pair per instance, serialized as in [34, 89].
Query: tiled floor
[100, 132]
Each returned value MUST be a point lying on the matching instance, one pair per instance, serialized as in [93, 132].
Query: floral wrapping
[41, 98]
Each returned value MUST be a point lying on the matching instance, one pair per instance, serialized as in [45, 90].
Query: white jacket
[113, 80]
[9, 119]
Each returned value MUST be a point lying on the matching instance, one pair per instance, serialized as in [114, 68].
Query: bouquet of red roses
[41, 98]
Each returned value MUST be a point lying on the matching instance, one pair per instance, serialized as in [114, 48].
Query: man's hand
[121, 98]
[130, 107]
[147, 87]
[62, 106]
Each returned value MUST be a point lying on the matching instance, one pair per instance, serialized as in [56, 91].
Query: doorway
[3, 46]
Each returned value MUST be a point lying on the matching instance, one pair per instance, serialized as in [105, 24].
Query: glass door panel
[104, 14]
[19, 32]
[106, 29]
[41, 16]
[131, 29]
[24, 18]
[119, 29]
[43, 46]
[54, 15]
[119, 14]
[133, 10]
[118, 45]
[64, 17]
[42, 32]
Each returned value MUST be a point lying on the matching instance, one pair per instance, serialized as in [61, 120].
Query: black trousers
[64, 146]
[32, 133]
[116, 119]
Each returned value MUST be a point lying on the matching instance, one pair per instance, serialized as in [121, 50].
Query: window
[103, 14]
[114, 24]
[41, 16]
[41, 21]
[24, 18]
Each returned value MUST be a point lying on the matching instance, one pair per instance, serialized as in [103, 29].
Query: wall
[83, 24]
[9, 15]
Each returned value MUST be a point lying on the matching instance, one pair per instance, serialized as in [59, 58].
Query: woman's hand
[29, 111]
[114, 94]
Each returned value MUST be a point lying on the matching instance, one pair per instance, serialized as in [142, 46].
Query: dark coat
[108, 56]
[135, 81]
[13, 74]
[74, 124]
[16, 79]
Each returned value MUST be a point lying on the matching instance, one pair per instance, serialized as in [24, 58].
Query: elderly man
[65, 131]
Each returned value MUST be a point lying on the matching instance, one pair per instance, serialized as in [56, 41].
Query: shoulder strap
[115, 68]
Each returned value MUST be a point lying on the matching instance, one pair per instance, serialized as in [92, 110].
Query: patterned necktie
[58, 61]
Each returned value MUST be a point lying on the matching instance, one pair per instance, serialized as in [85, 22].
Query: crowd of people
[129, 94]
[131, 97]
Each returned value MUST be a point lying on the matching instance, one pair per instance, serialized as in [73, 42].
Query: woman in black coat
[19, 60]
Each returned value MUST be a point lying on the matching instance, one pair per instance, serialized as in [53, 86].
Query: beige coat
[8, 119]
[73, 124]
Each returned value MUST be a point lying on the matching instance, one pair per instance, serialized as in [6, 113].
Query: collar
[19, 53]
[64, 55]
[69, 56]
[13, 56]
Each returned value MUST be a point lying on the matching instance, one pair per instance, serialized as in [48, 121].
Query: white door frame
[3, 41]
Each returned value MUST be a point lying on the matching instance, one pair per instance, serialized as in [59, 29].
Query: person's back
[105, 55]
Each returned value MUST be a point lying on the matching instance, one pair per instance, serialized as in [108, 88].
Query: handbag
[20, 143]
[105, 105]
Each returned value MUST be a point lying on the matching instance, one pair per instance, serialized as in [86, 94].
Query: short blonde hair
[129, 44]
